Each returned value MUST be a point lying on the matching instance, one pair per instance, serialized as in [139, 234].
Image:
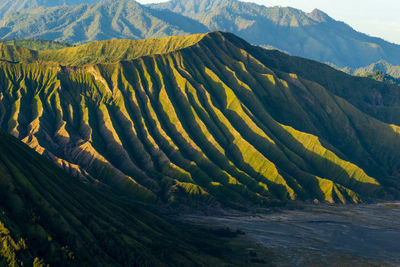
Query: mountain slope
[11, 6]
[35, 44]
[382, 77]
[382, 66]
[48, 217]
[100, 52]
[312, 35]
[215, 121]
[192, 8]
[91, 22]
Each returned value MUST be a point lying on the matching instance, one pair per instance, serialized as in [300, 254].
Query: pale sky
[376, 18]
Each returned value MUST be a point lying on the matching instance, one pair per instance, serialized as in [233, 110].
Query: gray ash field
[320, 235]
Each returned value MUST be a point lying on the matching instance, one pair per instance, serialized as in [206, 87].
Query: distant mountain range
[12, 6]
[312, 35]
[206, 118]
[122, 19]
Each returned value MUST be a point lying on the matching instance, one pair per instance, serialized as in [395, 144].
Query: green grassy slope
[49, 217]
[380, 71]
[98, 52]
[117, 50]
[382, 66]
[217, 121]
[35, 44]
[17, 53]
[381, 76]
[374, 98]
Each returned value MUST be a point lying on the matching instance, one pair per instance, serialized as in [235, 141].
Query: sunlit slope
[51, 218]
[116, 50]
[382, 66]
[99, 52]
[35, 44]
[213, 122]
[377, 99]
[17, 53]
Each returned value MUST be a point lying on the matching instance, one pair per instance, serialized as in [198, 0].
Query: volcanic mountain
[206, 118]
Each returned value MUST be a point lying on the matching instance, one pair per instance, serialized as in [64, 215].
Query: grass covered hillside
[35, 44]
[382, 77]
[205, 119]
[49, 217]
[381, 66]
[97, 52]
[117, 50]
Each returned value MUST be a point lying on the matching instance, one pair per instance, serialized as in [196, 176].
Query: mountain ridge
[291, 30]
[381, 65]
[182, 128]
[12, 6]
[312, 35]
[108, 51]
[319, 15]
[126, 19]
[35, 44]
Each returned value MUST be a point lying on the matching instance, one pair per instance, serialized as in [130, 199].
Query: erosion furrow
[206, 118]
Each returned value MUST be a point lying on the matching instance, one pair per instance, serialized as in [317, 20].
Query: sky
[376, 18]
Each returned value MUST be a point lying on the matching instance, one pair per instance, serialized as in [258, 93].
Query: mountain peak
[383, 62]
[319, 15]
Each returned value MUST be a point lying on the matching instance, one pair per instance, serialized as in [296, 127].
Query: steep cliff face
[206, 118]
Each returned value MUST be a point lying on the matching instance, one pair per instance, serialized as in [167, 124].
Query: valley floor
[318, 235]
